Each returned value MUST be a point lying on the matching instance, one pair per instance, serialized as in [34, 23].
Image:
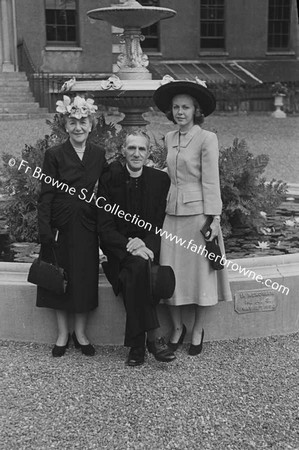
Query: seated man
[129, 241]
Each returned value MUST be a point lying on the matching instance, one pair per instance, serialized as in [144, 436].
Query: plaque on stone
[255, 300]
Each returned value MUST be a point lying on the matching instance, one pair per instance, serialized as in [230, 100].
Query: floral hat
[78, 108]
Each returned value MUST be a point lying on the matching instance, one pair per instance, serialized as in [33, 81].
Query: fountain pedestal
[132, 88]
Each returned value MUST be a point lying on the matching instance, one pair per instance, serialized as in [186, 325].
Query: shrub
[23, 189]
[244, 190]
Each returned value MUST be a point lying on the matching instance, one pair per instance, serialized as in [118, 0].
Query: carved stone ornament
[166, 79]
[131, 55]
[113, 82]
[201, 82]
[68, 85]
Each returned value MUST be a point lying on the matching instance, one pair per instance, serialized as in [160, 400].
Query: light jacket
[192, 161]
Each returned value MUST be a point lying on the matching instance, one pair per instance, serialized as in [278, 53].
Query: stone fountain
[132, 87]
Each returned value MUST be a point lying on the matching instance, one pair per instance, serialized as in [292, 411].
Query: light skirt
[196, 282]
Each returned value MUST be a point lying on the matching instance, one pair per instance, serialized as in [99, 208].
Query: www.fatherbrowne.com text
[101, 202]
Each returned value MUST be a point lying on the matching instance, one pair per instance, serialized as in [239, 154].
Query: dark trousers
[135, 288]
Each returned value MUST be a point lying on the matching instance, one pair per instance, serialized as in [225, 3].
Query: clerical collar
[134, 174]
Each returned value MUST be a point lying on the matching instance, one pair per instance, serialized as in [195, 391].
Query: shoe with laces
[160, 350]
[136, 356]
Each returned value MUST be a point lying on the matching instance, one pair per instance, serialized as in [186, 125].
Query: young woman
[194, 194]
[67, 222]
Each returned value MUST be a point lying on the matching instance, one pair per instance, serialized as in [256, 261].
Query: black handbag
[212, 246]
[48, 276]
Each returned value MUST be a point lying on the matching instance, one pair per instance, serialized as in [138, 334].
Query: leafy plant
[245, 192]
[279, 88]
[23, 189]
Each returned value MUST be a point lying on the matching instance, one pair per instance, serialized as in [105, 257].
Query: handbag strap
[55, 257]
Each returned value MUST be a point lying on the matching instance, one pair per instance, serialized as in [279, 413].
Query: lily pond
[280, 235]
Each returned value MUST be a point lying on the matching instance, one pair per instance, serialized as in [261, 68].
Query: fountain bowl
[132, 16]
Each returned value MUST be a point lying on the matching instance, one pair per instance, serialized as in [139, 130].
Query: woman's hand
[215, 227]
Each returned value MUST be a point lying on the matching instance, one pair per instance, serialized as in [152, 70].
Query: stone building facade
[217, 36]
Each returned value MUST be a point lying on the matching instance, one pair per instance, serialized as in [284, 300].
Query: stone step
[8, 90]
[12, 74]
[16, 99]
[23, 97]
[13, 83]
[18, 107]
[42, 113]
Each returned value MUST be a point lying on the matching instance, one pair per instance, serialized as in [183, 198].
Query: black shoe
[59, 350]
[174, 346]
[196, 349]
[87, 349]
[136, 356]
[160, 350]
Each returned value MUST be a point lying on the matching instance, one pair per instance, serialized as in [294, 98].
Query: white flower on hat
[78, 108]
[201, 82]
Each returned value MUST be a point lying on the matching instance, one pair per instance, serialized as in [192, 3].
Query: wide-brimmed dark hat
[164, 94]
[162, 281]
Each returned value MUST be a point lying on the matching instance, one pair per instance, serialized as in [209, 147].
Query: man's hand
[134, 244]
[144, 252]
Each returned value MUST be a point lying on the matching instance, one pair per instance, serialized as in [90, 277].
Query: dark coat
[115, 231]
[57, 204]
[68, 209]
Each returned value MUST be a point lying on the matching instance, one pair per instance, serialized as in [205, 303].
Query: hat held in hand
[162, 281]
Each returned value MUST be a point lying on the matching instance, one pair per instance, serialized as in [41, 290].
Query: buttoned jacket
[192, 161]
[56, 206]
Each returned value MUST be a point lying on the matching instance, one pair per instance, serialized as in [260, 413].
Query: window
[212, 23]
[279, 24]
[151, 33]
[61, 22]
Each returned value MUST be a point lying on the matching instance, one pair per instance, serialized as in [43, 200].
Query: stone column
[6, 38]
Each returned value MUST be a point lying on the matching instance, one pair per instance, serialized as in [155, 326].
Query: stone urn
[278, 103]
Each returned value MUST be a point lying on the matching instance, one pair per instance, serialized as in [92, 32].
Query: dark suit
[128, 274]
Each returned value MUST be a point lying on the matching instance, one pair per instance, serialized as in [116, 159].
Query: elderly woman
[194, 195]
[67, 222]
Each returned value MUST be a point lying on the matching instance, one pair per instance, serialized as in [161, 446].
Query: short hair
[140, 133]
[198, 115]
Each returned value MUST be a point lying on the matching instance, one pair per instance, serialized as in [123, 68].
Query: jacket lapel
[183, 140]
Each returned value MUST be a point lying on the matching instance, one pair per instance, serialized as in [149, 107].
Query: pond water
[279, 236]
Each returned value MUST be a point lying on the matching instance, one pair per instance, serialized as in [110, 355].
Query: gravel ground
[264, 134]
[237, 395]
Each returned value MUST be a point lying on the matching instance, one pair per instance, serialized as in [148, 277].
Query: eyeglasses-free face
[78, 130]
[183, 111]
[136, 152]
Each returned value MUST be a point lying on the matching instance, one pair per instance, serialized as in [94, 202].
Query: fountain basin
[132, 97]
[131, 15]
[256, 311]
